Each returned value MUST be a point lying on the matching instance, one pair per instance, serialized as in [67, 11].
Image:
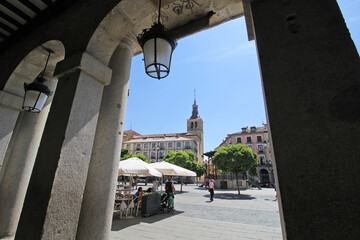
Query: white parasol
[137, 167]
[172, 170]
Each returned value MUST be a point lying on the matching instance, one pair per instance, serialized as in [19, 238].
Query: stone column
[10, 106]
[98, 202]
[52, 204]
[311, 81]
[20, 158]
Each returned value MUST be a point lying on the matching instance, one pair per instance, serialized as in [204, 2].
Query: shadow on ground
[178, 192]
[119, 224]
[231, 196]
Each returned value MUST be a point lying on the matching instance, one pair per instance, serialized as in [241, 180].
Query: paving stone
[253, 215]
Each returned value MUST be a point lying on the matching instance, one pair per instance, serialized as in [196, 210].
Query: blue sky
[221, 64]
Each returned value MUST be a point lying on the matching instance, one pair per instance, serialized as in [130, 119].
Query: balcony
[137, 148]
[187, 147]
[261, 151]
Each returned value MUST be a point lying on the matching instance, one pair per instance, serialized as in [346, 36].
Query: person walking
[211, 189]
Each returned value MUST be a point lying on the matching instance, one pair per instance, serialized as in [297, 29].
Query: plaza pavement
[253, 215]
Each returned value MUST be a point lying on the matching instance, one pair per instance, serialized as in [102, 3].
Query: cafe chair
[130, 208]
[138, 205]
[123, 208]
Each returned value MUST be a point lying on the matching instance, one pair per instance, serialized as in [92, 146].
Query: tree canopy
[142, 157]
[125, 154]
[235, 158]
[185, 159]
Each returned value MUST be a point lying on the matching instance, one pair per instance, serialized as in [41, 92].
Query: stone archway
[25, 139]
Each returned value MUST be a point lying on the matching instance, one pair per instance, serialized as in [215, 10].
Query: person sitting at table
[119, 194]
[138, 195]
[151, 190]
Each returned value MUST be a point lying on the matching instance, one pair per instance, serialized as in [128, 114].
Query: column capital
[10, 100]
[86, 63]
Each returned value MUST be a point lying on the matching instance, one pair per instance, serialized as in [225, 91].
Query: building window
[153, 145]
[127, 145]
[145, 154]
[178, 144]
[195, 124]
[262, 160]
[146, 145]
[259, 139]
[253, 129]
[187, 145]
[238, 140]
[192, 125]
[243, 130]
[152, 155]
[248, 139]
[169, 145]
[161, 154]
[261, 148]
[162, 146]
[138, 146]
[250, 146]
[137, 153]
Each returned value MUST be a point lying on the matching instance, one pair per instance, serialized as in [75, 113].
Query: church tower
[195, 129]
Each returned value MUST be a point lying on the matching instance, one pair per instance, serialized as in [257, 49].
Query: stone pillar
[10, 106]
[52, 204]
[98, 202]
[311, 81]
[20, 158]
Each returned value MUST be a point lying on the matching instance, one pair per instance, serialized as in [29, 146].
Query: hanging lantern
[157, 45]
[36, 93]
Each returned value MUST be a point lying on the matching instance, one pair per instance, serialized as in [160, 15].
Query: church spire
[195, 113]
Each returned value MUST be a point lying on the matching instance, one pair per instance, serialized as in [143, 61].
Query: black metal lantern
[157, 45]
[36, 93]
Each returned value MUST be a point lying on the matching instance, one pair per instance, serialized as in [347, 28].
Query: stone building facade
[256, 138]
[156, 146]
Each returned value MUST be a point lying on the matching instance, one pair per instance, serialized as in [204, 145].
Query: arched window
[195, 124]
[192, 125]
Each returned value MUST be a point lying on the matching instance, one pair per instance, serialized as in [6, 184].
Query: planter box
[150, 205]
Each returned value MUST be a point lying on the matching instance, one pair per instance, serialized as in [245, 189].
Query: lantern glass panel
[157, 55]
[34, 101]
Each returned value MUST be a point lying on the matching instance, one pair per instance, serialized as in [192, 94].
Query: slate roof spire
[195, 113]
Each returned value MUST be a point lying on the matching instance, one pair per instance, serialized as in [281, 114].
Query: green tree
[142, 157]
[235, 158]
[200, 170]
[191, 155]
[178, 158]
[125, 154]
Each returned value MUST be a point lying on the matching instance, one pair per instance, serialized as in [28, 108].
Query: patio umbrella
[172, 170]
[136, 167]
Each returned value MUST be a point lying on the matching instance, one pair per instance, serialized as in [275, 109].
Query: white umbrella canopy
[173, 170]
[137, 167]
